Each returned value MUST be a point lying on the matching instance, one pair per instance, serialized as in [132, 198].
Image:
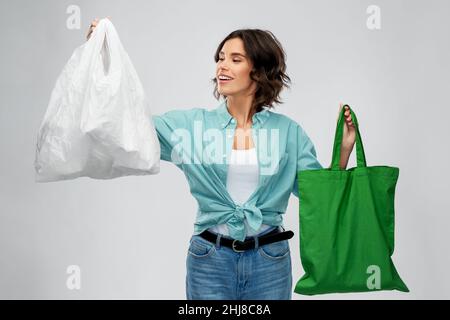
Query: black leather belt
[240, 246]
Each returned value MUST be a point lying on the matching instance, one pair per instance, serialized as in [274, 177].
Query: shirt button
[230, 136]
[233, 121]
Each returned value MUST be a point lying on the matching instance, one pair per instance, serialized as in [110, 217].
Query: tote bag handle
[360, 156]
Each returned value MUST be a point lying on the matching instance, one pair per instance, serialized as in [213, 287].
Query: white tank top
[242, 180]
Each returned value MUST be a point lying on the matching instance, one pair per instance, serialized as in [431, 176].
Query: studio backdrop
[89, 238]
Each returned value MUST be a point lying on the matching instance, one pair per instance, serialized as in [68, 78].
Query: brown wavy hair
[269, 66]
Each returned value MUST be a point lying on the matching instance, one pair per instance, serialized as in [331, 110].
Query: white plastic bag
[98, 122]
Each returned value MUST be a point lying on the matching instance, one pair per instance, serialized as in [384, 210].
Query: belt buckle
[234, 249]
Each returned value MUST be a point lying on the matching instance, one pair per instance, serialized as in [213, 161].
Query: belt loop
[219, 235]
[256, 241]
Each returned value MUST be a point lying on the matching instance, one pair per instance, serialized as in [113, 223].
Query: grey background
[395, 78]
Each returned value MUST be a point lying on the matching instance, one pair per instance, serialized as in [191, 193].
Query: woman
[241, 161]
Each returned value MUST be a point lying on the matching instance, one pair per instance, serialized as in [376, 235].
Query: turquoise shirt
[199, 142]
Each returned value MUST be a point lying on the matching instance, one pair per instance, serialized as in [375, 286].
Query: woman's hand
[348, 139]
[91, 28]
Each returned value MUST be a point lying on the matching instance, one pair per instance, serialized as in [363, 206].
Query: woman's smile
[224, 81]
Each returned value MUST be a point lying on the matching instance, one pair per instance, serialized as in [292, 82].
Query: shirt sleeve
[306, 156]
[165, 125]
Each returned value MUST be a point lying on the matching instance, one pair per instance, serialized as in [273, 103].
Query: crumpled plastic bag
[98, 123]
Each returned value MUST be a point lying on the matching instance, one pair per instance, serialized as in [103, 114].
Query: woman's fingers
[93, 24]
[348, 116]
[92, 27]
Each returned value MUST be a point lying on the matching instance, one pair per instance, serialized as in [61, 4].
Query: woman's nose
[222, 65]
[222, 70]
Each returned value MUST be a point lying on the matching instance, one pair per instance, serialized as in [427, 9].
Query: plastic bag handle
[105, 36]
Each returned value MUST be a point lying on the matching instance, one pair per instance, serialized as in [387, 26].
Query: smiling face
[233, 62]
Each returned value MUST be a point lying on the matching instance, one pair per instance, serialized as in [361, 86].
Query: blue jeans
[217, 272]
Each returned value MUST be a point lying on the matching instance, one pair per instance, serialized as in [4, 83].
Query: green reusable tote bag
[347, 225]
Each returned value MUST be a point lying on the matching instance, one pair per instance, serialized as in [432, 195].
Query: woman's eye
[220, 59]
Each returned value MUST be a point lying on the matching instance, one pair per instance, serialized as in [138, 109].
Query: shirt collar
[225, 117]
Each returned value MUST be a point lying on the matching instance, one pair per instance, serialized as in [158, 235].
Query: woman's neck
[241, 109]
